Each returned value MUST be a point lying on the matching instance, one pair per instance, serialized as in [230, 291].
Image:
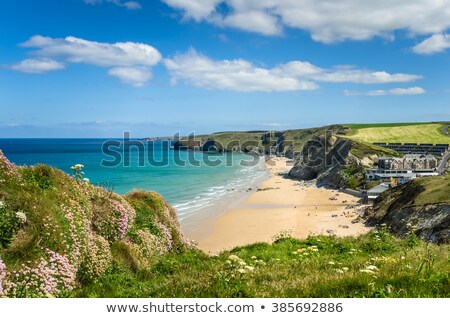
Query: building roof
[379, 188]
[388, 175]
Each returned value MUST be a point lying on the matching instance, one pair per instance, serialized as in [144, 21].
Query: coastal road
[445, 130]
[443, 163]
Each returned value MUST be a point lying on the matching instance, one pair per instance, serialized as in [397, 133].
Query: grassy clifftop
[429, 133]
[58, 233]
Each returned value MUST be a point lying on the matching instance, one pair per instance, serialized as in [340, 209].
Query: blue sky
[96, 68]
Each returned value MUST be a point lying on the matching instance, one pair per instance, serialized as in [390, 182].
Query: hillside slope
[423, 204]
[58, 232]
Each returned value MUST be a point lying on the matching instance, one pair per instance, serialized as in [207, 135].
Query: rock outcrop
[399, 210]
[323, 159]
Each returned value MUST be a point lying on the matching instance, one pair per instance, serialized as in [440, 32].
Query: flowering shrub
[21, 217]
[66, 226]
[167, 236]
[47, 278]
[7, 169]
[2, 276]
[144, 246]
[97, 258]
[112, 218]
[77, 171]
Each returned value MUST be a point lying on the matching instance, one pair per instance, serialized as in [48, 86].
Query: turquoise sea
[190, 181]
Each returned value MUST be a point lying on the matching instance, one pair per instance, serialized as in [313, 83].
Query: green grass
[364, 149]
[377, 125]
[436, 190]
[315, 267]
[404, 133]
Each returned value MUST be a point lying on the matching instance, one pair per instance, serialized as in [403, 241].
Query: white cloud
[235, 75]
[38, 65]
[343, 74]
[327, 21]
[123, 57]
[136, 76]
[434, 44]
[77, 50]
[252, 21]
[130, 5]
[395, 91]
[240, 75]
[196, 9]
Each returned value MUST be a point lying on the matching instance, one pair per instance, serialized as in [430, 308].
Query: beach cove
[278, 204]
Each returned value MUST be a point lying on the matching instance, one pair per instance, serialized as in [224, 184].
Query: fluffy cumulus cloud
[240, 75]
[131, 62]
[395, 91]
[38, 65]
[327, 20]
[235, 75]
[434, 44]
[136, 76]
[130, 5]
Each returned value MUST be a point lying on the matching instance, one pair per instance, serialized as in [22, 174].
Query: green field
[399, 132]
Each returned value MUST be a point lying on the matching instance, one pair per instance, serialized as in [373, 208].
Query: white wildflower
[253, 257]
[249, 268]
[21, 216]
[345, 269]
[241, 270]
[331, 263]
[339, 271]
[372, 268]
[242, 263]
[234, 258]
[2, 204]
[86, 180]
[368, 271]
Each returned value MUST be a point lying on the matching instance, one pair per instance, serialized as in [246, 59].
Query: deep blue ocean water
[184, 178]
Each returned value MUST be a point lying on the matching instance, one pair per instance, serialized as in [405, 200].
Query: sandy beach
[279, 204]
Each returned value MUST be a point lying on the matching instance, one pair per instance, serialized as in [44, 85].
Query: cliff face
[324, 159]
[58, 232]
[415, 206]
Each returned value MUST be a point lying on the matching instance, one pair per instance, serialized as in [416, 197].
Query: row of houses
[408, 148]
[393, 171]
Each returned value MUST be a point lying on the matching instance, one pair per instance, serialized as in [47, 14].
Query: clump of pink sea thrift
[2, 276]
[113, 220]
[97, 259]
[7, 169]
[167, 235]
[48, 278]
